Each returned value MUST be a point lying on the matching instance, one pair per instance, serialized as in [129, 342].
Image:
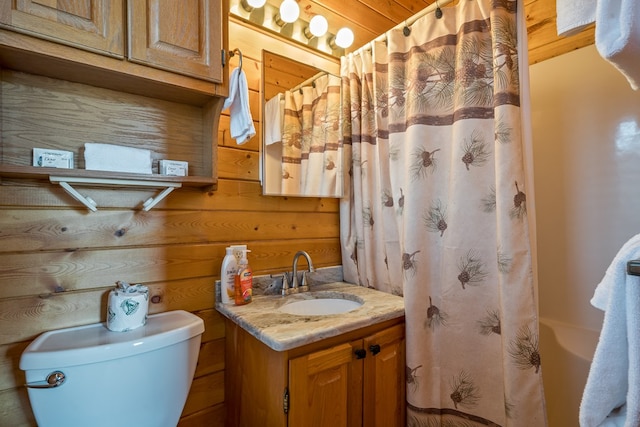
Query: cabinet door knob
[375, 349]
[361, 353]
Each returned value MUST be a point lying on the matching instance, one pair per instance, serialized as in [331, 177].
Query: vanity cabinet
[355, 379]
[158, 61]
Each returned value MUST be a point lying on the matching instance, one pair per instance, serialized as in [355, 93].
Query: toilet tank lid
[95, 343]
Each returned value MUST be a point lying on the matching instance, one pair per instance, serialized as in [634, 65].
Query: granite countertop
[281, 331]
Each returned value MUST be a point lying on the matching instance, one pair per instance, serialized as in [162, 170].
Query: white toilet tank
[137, 378]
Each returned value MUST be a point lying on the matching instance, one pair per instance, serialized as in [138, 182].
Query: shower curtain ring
[406, 30]
[438, 11]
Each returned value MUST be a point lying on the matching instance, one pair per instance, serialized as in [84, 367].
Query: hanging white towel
[572, 16]
[242, 128]
[273, 117]
[612, 393]
[618, 36]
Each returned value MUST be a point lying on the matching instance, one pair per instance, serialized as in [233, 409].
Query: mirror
[302, 145]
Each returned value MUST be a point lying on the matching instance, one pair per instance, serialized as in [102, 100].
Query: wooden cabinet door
[94, 25]
[319, 388]
[384, 379]
[181, 36]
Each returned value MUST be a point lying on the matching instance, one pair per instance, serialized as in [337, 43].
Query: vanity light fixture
[286, 20]
[249, 5]
[289, 12]
[344, 38]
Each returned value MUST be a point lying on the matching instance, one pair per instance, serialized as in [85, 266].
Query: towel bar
[633, 267]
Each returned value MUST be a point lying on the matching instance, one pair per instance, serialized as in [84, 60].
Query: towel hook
[233, 52]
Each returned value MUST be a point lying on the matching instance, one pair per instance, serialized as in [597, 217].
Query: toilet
[90, 376]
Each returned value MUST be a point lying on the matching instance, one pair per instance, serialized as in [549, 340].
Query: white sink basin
[320, 306]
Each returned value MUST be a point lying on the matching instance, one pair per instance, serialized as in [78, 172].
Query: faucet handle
[304, 286]
[285, 281]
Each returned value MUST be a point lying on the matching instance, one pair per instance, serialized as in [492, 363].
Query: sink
[320, 306]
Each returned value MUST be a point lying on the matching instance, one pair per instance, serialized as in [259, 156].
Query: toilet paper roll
[128, 307]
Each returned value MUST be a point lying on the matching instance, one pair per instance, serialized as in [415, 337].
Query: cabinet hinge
[223, 55]
[285, 401]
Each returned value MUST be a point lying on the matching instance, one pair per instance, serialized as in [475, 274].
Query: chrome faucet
[303, 287]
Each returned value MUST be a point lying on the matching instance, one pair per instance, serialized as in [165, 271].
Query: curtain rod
[408, 22]
[308, 81]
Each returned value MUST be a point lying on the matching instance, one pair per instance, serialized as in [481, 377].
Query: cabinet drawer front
[93, 25]
[181, 36]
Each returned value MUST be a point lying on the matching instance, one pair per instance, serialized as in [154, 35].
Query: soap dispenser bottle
[228, 272]
[227, 276]
[243, 286]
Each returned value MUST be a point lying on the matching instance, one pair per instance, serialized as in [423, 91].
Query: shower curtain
[435, 209]
[311, 143]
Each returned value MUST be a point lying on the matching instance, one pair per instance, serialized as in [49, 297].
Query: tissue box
[174, 168]
[116, 158]
[46, 158]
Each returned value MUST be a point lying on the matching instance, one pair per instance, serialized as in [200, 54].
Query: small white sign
[174, 168]
[46, 158]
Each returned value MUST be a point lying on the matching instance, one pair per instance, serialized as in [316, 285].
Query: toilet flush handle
[53, 380]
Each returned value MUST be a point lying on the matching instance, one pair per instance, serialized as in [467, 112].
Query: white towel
[572, 16]
[242, 128]
[273, 118]
[116, 158]
[612, 393]
[618, 36]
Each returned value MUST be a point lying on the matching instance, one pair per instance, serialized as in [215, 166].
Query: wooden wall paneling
[238, 164]
[205, 392]
[211, 358]
[53, 274]
[243, 195]
[224, 130]
[230, 195]
[213, 416]
[15, 410]
[10, 375]
[27, 231]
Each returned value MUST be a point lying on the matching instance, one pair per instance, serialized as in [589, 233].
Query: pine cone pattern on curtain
[435, 210]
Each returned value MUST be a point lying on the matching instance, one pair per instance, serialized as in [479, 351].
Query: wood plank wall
[58, 261]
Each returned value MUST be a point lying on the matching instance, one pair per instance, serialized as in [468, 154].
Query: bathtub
[566, 351]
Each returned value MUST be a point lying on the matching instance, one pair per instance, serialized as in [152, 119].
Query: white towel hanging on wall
[618, 36]
[242, 128]
[612, 394]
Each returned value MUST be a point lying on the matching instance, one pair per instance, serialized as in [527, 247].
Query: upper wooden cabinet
[94, 25]
[182, 36]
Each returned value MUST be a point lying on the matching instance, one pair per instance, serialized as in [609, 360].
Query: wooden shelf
[43, 174]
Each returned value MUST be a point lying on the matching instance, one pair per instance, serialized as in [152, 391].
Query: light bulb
[318, 25]
[249, 5]
[289, 11]
[344, 37]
